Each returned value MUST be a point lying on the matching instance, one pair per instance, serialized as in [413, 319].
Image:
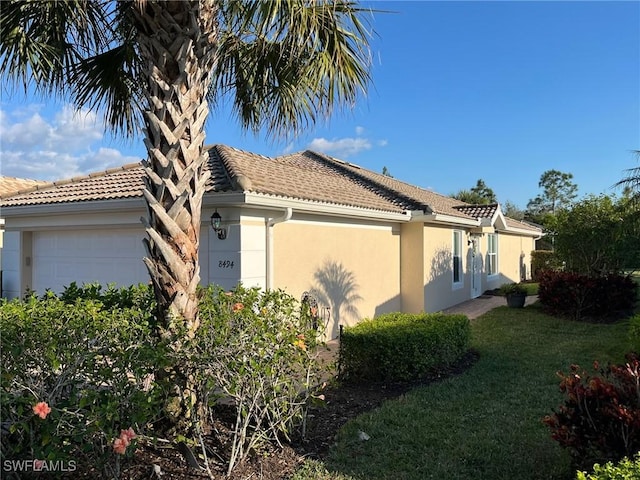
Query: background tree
[386, 172]
[150, 62]
[511, 210]
[481, 194]
[484, 192]
[599, 235]
[558, 191]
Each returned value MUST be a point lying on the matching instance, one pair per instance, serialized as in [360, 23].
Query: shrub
[599, 420]
[88, 366]
[542, 260]
[402, 347]
[624, 470]
[582, 297]
[136, 296]
[255, 349]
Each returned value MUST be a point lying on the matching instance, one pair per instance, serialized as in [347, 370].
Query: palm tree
[158, 64]
[631, 181]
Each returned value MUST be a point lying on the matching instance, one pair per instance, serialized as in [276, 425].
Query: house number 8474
[225, 264]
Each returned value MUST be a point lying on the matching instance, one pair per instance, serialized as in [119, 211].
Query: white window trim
[495, 235]
[460, 283]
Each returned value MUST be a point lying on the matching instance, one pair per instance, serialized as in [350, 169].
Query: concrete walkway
[479, 306]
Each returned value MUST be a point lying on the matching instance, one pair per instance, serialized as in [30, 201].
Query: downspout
[270, 223]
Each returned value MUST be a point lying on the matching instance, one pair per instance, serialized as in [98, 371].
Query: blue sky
[461, 90]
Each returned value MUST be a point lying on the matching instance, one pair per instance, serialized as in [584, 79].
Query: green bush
[624, 470]
[136, 296]
[402, 347]
[542, 260]
[257, 351]
[90, 366]
[89, 356]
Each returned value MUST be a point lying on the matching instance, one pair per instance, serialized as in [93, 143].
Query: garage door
[85, 256]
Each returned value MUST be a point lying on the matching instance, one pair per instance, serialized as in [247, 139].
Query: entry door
[476, 267]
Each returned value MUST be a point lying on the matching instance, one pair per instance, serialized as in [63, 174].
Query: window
[492, 254]
[457, 256]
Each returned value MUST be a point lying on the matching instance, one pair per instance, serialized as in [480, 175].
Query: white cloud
[340, 147]
[288, 149]
[67, 144]
[346, 147]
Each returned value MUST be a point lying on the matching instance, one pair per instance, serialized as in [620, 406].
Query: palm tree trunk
[176, 41]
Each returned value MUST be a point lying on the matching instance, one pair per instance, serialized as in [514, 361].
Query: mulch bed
[343, 402]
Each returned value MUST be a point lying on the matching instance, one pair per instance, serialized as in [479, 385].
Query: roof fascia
[116, 205]
[266, 201]
[529, 233]
[446, 219]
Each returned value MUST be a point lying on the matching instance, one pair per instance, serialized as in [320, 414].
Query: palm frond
[631, 181]
[41, 40]
[108, 82]
[288, 63]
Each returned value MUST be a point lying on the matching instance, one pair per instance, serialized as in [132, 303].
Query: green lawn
[486, 423]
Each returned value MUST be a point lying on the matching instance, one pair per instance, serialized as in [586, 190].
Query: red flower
[120, 445]
[129, 434]
[42, 409]
[237, 307]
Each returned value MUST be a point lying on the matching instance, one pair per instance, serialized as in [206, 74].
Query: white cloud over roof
[66, 145]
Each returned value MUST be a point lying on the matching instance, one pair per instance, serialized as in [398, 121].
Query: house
[361, 242]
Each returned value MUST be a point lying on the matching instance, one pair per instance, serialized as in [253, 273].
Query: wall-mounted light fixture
[216, 225]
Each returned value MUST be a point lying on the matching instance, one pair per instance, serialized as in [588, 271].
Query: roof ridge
[467, 205]
[390, 194]
[229, 171]
[50, 184]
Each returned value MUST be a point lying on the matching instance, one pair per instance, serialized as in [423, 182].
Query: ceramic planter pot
[516, 300]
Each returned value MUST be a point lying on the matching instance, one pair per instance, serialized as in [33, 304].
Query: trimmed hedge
[583, 297]
[401, 346]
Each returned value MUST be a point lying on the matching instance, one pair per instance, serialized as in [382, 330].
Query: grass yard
[485, 423]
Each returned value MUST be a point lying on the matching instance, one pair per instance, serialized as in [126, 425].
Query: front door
[476, 267]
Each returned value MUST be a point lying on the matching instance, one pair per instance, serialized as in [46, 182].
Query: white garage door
[85, 256]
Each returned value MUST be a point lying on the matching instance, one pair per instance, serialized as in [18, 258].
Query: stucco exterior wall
[514, 259]
[439, 289]
[412, 267]
[353, 267]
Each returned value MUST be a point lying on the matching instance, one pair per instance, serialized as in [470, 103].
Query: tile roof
[311, 176]
[13, 185]
[478, 211]
[304, 175]
[121, 182]
[522, 225]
